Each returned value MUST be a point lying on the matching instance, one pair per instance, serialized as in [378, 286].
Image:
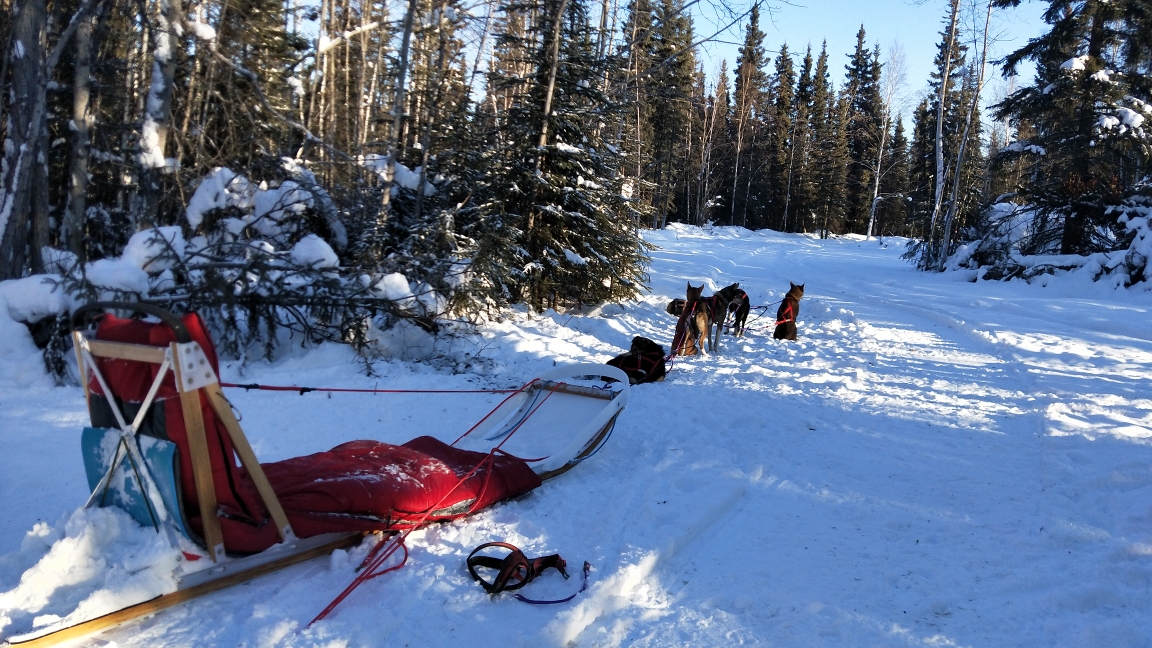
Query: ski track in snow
[933, 463]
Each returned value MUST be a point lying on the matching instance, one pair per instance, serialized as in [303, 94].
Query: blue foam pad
[99, 447]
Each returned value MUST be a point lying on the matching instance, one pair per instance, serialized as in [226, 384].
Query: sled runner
[165, 447]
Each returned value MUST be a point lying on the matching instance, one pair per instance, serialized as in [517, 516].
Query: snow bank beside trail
[98, 561]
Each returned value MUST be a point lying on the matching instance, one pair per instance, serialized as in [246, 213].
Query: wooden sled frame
[193, 375]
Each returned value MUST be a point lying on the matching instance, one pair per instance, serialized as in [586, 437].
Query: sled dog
[788, 312]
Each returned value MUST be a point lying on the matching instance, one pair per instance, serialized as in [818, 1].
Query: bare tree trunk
[397, 112]
[548, 91]
[167, 23]
[483, 38]
[939, 195]
[748, 186]
[791, 163]
[742, 110]
[81, 123]
[877, 173]
[950, 218]
[24, 133]
[434, 103]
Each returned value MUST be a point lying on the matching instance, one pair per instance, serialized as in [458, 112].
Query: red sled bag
[644, 363]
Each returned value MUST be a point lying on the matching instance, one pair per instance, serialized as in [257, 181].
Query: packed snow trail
[934, 462]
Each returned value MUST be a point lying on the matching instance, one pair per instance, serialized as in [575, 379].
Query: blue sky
[915, 26]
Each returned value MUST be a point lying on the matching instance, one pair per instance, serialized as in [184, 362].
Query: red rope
[305, 390]
[385, 549]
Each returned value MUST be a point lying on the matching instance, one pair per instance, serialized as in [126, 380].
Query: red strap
[788, 317]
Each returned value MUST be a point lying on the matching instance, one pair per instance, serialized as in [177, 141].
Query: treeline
[509, 152]
[774, 144]
[257, 127]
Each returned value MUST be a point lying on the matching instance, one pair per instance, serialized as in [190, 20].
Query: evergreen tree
[1086, 107]
[863, 123]
[750, 105]
[723, 168]
[781, 145]
[672, 81]
[892, 212]
[830, 150]
[800, 187]
[568, 235]
[921, 170]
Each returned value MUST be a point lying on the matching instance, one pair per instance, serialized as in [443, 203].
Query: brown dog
[788, 312]
[694, 324]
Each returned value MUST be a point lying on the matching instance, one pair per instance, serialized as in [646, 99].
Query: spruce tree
[800, 187]
[1087, 105]
[569, 236]
[830, 150]
[781, 145]
[921, 170]
[671, 81]
[892, 212]
[750, 105]
[864, 124]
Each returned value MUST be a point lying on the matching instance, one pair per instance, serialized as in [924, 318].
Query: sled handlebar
[182, 336]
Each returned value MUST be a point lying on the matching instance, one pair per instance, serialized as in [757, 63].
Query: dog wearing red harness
[694, 324]
[788, 312]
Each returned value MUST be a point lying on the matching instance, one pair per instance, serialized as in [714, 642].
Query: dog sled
[166, 447]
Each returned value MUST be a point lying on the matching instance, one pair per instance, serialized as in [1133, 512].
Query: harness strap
[517, 570]
[788, 316]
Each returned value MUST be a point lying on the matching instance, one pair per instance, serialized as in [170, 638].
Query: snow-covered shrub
[263, 262]
[1022, 241]
[1135, 214]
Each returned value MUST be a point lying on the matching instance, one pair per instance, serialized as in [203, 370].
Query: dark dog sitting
[742, 307]
[788, 312]
[675, 307]
[643, 363]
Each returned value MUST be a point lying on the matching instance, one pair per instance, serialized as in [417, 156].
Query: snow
[221, 188]
[1129, 117]
[401, 175]
[1027, 148]
[934, 462]
[203, 31]
[312, 251]
[155, 250]
[1074, 64]
[574, 258]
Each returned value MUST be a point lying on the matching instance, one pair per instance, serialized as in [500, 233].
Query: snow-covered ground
[934, 462]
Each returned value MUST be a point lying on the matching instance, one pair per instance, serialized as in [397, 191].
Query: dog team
[702, 319]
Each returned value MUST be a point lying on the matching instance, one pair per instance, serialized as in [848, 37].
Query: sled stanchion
[77, 346]
[123, 351]
[201, 461]
[248, 458]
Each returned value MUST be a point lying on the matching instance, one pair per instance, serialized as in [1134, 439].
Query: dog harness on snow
[517, 570]
[641, 364]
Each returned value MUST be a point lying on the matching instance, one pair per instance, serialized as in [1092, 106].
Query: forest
[335, 169]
